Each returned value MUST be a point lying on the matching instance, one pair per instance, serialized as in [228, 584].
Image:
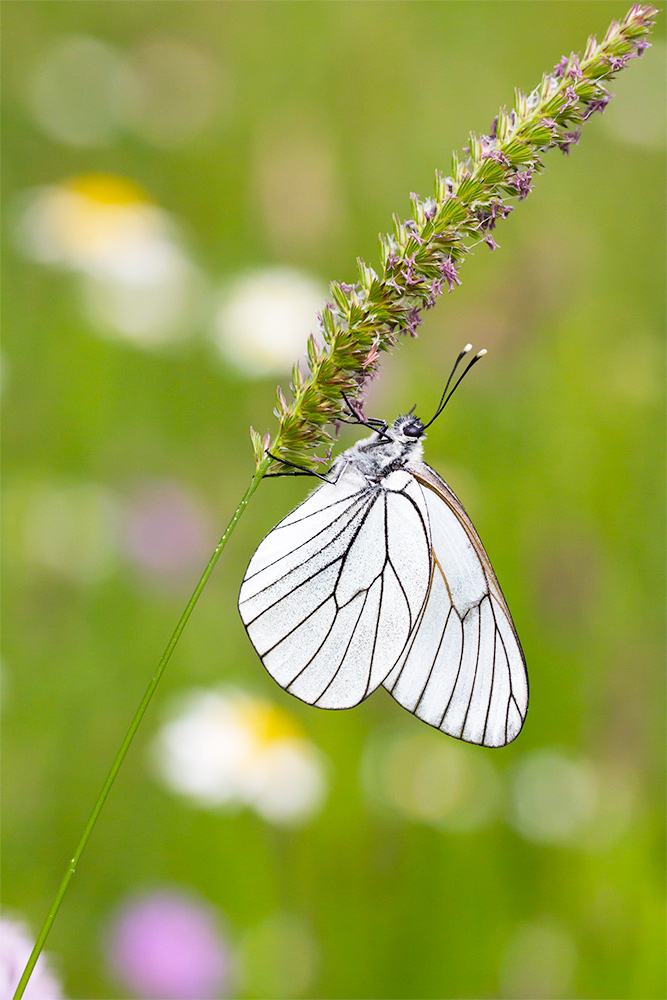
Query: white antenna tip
[480, 354]
[467, 348]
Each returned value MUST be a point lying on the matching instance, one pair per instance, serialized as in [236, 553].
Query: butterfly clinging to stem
[379, 578]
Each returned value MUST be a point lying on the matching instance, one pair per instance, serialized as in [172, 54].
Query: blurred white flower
[136, 278]
[84, 223]
[71, 528]
[432, 780]
[16, 944]
[539, 962]
[554, 797]
[264, 319]
[224, 747]
[279, 957]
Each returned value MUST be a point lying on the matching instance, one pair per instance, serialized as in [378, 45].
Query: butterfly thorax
[375, 457]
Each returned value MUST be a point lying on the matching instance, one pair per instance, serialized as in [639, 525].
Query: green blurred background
[261, 148]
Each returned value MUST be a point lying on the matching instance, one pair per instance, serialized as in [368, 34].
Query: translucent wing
[333, 592]
[463, 670]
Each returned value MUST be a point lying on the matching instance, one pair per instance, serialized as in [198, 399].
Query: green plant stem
[129, 736]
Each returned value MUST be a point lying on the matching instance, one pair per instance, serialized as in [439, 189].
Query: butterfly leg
[290, 475]
[373, 423]
[301, 470]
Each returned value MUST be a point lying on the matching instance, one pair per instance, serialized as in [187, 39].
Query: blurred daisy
[136, 280]
[16, 944]
[264, 319]
[433, 781]
[617, 800]
[169, 945]
[224, 747]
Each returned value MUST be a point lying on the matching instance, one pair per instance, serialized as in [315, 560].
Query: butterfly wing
[333, 592]
[463, 670]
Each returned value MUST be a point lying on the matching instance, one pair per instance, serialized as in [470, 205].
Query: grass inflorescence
[423, 256]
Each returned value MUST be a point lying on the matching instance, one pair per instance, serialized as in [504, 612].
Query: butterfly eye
[414, 430]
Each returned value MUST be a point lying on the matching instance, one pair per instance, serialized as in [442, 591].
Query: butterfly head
[407, 428]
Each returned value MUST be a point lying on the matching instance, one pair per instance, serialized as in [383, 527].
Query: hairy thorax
[374, 458]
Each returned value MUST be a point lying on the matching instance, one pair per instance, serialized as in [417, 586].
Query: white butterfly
[379, 577]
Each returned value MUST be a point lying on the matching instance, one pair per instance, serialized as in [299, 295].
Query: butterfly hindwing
[333, 593]
[463, 669]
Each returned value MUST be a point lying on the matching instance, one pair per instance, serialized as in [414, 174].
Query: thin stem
[129, 736]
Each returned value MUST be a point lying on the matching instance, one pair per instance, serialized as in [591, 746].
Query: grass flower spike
[423, 256]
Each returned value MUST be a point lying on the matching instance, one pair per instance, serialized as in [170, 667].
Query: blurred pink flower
[16, 944]
[168, 945]
[166, 532]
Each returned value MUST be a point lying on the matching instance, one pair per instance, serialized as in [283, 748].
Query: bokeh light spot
[72, 529]
[279, 958]
[432, 780]
[539, 962]
[554, 797]
[71, 92]
[171, 93]
[166, 532]
[298, 186]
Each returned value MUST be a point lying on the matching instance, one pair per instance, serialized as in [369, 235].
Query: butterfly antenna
[480, 354]
[445, 398]
[441, 404]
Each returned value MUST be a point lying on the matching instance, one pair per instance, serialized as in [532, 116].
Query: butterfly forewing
[334, 592]
[463, 669]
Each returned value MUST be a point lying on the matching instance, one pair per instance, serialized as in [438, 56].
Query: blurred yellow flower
[136, 278]
[86, 221]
